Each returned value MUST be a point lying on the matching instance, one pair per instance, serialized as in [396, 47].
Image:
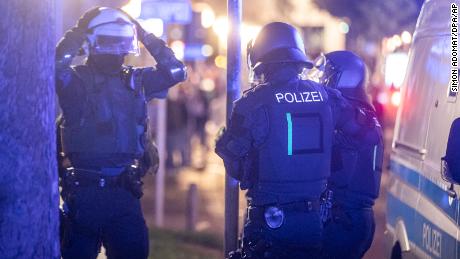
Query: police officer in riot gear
[278, 145]
[356, 164]
[102, 132]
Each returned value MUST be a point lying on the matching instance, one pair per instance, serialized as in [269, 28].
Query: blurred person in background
[378, 106]
[178, 141]
[278, 145]
[103, 150]
[356, 162]
[201, 90]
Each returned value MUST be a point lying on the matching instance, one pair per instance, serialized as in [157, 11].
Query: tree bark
[29, 196]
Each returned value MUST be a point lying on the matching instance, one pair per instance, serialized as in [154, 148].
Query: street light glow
[344, 27]
[396, 98]
[396, 40]
[406, 37]
[220, 27]
[221, 61]
[179, 49]
[382, 98]
[207, 50]
[207, 18]
[154, 26]
[133, 8]
[395, 69]
[249, 32]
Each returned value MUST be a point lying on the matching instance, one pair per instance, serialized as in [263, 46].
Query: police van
[422, 214]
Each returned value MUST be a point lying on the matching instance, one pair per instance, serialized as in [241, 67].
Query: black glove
[85, 19]
[151, 159]
[235, 255]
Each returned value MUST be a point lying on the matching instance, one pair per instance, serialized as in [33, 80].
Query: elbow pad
[231, 148]
[167, 62]
[175, 70]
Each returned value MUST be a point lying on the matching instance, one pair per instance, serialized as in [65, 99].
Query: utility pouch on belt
[131, 180]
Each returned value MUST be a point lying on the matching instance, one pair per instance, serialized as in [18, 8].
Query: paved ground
[210, 184]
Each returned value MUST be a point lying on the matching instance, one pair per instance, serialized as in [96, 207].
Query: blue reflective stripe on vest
[375, 156]
[289, 122]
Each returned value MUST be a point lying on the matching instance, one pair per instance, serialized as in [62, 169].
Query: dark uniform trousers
[349, 234]
[110, 216]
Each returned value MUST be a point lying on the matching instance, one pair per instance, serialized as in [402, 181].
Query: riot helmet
[112, 32]
[346, 72]
[277, 42]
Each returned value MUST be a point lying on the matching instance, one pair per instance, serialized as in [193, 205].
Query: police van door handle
[419, 151]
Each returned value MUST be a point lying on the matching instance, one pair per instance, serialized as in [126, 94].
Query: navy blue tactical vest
[293, 163]
[105, 128]
[356, 169]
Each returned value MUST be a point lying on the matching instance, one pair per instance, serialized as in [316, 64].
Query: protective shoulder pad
[251, 99]
[250, 116]
[255, 88]
[243, 105]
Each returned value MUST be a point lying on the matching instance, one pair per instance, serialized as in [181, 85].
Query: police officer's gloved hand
[220, 133]
[70, 45]
[151, 159]
[85, 19]
[219, 139]
[153, 44]
[156, 46]
[164, 56]
[139, 30]
[235, 255]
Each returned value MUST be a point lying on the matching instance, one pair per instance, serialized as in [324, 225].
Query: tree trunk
[29, 196]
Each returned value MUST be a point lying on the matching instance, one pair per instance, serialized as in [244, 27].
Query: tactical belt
[94, 178]
[352, 200]
[344, 207]
[257, 212]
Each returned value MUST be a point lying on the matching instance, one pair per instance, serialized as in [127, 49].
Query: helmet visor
[105, 44]
[317, 72]
[116, 40]
[328, 74]
[254, 79]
